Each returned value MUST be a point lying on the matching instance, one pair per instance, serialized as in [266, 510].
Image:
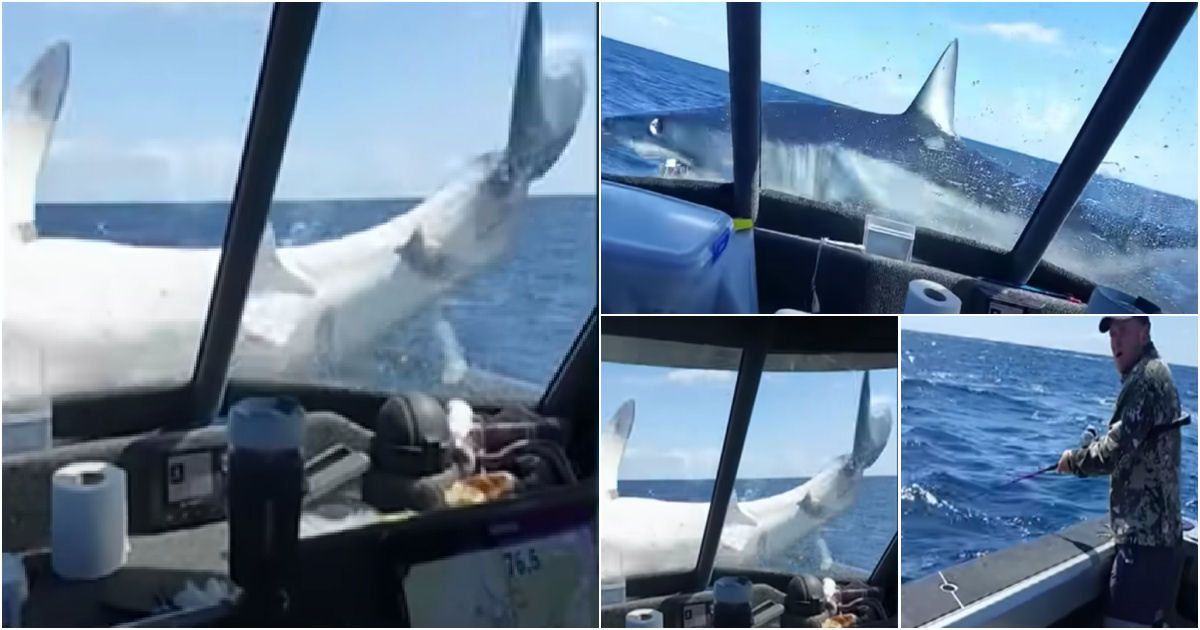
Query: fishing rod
[1088, 436]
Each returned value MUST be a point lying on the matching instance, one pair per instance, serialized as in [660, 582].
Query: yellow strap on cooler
[740, 225]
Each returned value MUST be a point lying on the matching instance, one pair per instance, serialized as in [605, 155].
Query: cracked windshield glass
[414, 242]
[814, 491]
[947, 116]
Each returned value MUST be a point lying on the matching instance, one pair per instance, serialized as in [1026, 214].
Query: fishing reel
[1089, 435]
[815, 602]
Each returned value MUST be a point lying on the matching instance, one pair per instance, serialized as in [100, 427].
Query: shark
[655, 536]
[911, 165]
[110, 315]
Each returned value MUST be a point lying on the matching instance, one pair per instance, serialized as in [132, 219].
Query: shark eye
[656, 126]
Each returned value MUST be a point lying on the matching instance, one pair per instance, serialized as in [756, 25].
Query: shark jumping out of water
[839, 154]
[106, 314]
[912, 166]
[654, 536]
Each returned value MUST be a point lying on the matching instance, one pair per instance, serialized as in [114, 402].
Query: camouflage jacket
[1143, 495]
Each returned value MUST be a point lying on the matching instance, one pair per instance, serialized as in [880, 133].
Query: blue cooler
[659, 254]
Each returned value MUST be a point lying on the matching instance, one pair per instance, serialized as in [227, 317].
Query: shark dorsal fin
[613, 441]
[30, 114]
[935, 101]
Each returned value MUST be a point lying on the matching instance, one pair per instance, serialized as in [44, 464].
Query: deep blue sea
[975, 414]
[856, 539]
[516, 321]
[639, 80]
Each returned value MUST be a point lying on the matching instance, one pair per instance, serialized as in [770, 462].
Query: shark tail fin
[871, 430]
[271, 273]
[547, 102]
[935, 101]
[613, 440]
[29, 119]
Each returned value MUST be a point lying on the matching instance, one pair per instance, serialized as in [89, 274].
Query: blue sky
[1174, 336]
[396, 96]
[801, 420]
[1027, 73]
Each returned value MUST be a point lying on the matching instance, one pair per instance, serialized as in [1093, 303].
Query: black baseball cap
[1106, 322]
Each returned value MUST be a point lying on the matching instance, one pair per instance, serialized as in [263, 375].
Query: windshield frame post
[1148, 47]
[743, 22]
[285, 55]
[745, 392]
[573, 392]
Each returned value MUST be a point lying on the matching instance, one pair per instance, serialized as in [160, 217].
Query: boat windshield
[948, 116]
[801, 439]
[410, 245]
[109, 286]
[793, 483]
[410, 255]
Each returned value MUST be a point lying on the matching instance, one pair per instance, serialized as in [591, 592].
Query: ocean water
[856, 538]
[638, 80]
[515, 321]
[975, 414]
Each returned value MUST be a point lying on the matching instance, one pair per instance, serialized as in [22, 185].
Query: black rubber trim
[886, 574]
[745, 391]
[288, 43]
[818, 335]
[743, 22]
[796, 216]
[573, 393]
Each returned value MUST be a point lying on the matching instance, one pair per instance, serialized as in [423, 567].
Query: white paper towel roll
[926, 296]
[88, 529]
[644, 618]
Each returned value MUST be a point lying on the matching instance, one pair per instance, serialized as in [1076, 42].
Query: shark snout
[608, 134]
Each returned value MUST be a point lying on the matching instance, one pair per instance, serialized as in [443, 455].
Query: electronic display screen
[544, 581]
[190, 476]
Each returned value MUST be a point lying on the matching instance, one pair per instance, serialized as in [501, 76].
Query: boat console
[1058, 580]
[777, 600]
[803, 248]
[391, 532]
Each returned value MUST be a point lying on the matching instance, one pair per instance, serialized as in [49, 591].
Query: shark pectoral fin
[738, 539]
[826, 557]
[735, 515]
[935, 101]
[454, 359]
[420, 256]
[272, 318]
[272, 274]
[29, 119]
[614, 438]
[811, 507]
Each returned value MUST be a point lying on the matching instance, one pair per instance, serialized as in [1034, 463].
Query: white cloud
[256, 11]
[99, 169]
[1031, 32]
[692, 377]
[669, 463]
[662, 20]
[1048, 114]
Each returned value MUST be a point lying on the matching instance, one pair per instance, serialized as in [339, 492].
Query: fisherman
[1144, 489]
